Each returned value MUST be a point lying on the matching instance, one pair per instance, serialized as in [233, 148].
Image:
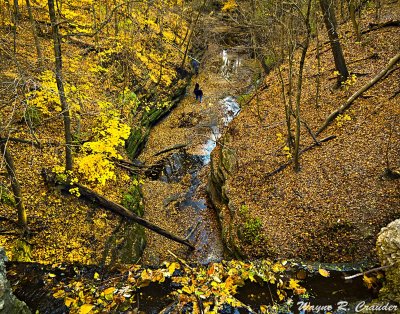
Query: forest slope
[112, 80]
[333, 208]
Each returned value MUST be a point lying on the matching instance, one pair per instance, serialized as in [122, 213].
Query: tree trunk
[116, 28]
[22, 218]
[378, 9]
[299, 86]
[16, 11]
[289, 106]
[352, 9]
[189, 40]
[331, 26]
[318, 78]
[60, 86]
[35, 36]
[14, 19]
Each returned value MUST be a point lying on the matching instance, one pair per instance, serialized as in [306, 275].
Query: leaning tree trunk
[331, 26]
[382, 74]
[87, 193]
[22, 218]
[60, 86]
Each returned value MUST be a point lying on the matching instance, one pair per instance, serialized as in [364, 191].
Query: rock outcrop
[223, 163]
[9, 304]
[388, 249]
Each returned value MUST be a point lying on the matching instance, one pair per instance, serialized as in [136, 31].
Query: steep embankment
[334, 207]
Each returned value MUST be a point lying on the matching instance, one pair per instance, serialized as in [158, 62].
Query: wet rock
[388, 249]
[223, 162]
[9, 304]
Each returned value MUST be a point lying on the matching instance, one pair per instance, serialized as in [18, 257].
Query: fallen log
[177, 146]
[20, 140]
[375, 26]
[89, 194]
[358, 93]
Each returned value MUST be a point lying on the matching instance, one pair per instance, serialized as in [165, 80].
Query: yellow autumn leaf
[68, 301]
[145, 275]
[278, 267]
[59, 294]
[369, 281]
[294, 285]
[109, 290]
[86, 308]
[188, 290]
[172, 267]
[263, 309]
[280, 294]
[324, 272]
[51, 275]
[96, 275]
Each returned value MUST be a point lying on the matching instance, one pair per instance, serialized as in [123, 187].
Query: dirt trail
[176, 198]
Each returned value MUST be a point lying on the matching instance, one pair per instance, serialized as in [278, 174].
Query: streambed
[175, 198]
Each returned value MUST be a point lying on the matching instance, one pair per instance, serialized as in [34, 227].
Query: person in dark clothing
[195, 66]
[198, 92]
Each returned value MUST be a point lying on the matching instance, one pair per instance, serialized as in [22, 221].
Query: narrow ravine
[175, 194]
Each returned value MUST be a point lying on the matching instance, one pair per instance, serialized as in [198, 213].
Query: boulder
[9, 304]
[388, 249]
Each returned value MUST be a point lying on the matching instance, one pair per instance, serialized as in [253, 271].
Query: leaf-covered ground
[61, 227]
[334, 207]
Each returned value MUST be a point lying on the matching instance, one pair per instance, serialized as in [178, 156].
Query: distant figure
[198, 92]
[195, 66]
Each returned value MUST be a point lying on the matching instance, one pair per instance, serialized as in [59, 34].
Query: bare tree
[16, 188]
[299, 86]
[352, 10]
[60, 86]
[35, 36]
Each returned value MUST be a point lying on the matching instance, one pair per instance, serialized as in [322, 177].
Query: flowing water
[175, 192]
[186, 171]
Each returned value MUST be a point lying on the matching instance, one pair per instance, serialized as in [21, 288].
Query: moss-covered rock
[9, 304]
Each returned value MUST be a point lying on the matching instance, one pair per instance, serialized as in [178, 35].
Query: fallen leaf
[86, 308]
[324, 272]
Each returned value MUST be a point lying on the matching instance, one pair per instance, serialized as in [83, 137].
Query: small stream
[205, 233]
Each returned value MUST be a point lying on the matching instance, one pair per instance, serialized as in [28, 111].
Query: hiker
[195, 66]
[198, 92]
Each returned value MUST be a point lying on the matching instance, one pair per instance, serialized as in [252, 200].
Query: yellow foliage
[294, 285]
[95, 164]
[46, 97]
[370, 282]
[75, 191]
[341, 119]
[229, 5]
